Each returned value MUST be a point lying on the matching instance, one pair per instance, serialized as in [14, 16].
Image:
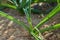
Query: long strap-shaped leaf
[48, 1]
[47, 18]
[50, 15]
[50, 28]
[14, 20]
[58, 1]
[27, 10]
[37, 34]
[14, 2]
[8, 6]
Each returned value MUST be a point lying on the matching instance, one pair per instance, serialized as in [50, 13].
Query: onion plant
[24, 6]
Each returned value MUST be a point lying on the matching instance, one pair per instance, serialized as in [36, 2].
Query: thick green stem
[8, 5]
[50, 28]
[50, 15]
[37, 36]
[58, 1]
[48, 1]
[27, 11]
[29, 17]
[14, 20]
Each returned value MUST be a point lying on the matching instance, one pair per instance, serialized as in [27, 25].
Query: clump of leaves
[25, 6]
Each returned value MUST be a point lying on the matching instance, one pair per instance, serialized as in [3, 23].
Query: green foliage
[50, 28]
[25, 6]
[50, 15]
[14, 20]
[48, 1]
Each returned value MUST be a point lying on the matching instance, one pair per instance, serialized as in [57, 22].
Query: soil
[12, 31]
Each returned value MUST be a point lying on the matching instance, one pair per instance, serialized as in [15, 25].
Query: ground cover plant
[25, 7]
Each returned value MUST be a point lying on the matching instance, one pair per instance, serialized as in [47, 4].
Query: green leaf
[50, 15]
[27, 11]
[14, 20]
[58, 1]
[48, 1]
[50, 28]
[8, 6]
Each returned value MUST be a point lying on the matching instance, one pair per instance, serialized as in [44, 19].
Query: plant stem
[27, 11]
[14, 20]
[54, 27]
[37, 34]
[58, 1]
[9, 6]
[50, 15]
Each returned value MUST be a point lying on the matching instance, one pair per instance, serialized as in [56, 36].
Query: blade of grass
[54, 27]
[27, 11]
[15, 2]
[22, 3]
[37, 34]
[14, 20]
[9, 6]
[37, 37]
[58, 1]
[48, 1]
[50, 15]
